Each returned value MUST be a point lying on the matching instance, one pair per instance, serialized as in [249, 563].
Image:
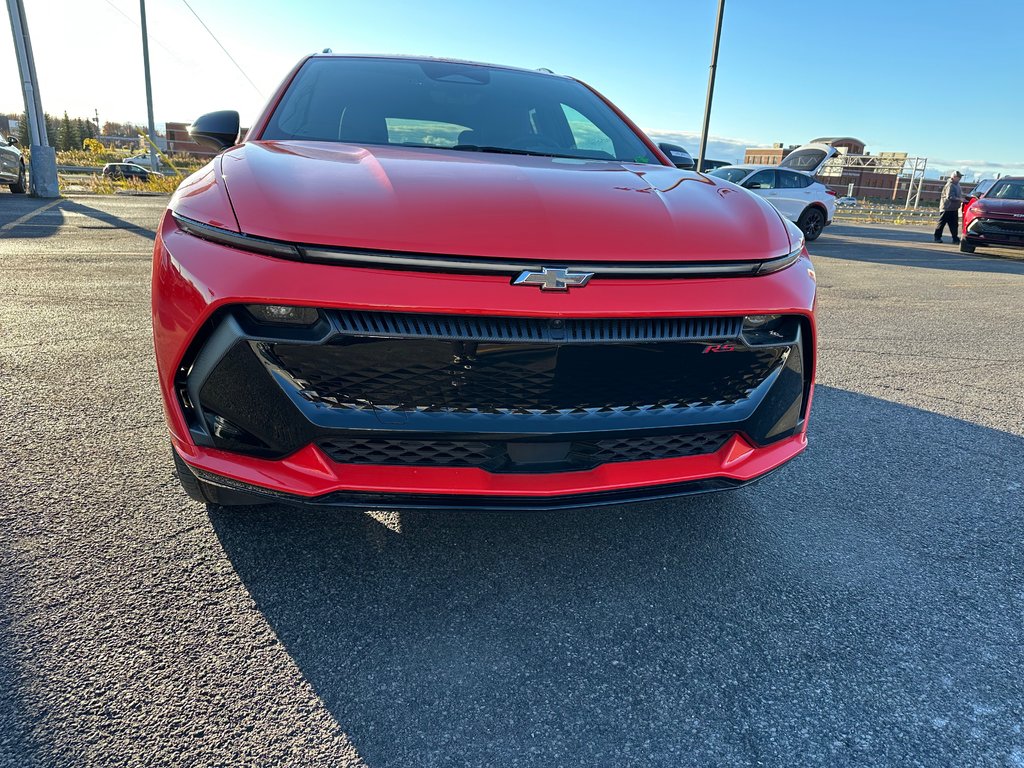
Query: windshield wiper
[506, 151]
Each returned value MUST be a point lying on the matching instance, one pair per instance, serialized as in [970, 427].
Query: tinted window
[804, 159]
[790, 180]
[735, 175]
[765, 179]
[421, 103]
[1006, 190]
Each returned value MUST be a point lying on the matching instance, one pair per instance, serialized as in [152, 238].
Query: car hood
[1000, 207]
[492, 205]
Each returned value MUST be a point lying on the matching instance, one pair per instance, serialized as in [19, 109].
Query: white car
[142, 160]
[790, 186]
[847, 201]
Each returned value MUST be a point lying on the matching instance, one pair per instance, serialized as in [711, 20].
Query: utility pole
[711, 87]
[43, 161]
[149, 88]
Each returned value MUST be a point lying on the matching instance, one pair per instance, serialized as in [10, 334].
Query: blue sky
[930, 78]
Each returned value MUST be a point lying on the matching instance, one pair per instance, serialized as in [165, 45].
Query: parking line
[29, 215]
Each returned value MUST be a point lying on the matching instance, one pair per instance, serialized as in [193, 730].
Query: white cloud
[719, 147]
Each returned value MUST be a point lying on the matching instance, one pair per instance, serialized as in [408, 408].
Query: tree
[65, 135]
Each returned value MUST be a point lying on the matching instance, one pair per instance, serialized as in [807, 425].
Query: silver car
[12, 166]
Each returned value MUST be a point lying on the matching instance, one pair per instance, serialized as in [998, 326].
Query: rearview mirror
[680, 157]
[216, 130]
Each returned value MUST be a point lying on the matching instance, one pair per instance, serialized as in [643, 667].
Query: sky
[933, 79]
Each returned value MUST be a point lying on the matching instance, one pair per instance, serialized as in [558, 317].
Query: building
[772, 155]
[853, 171]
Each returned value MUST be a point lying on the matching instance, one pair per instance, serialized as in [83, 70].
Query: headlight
[236, 239]
[796, 247]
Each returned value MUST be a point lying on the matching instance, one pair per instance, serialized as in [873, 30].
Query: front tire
[811, 223]
[966, 247]
[19, 187]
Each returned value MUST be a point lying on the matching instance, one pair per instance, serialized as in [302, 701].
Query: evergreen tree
[65, 135]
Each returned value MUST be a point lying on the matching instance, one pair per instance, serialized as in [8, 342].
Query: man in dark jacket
[949, 204]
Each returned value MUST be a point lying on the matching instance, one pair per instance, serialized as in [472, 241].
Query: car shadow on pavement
[911, 247]
[860, 606]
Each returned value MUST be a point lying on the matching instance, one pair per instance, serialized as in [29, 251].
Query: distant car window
[790, 180]
[804, 159]
[1007, 190]
[763, 179]
[735, 175]
[586, 135]
[430, 132]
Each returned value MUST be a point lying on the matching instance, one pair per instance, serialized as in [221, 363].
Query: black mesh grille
[429, 375]
[999, 227]
[495, 455]
[572, 330]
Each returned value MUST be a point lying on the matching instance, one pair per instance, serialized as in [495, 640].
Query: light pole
[149, 87]
[43, 159]
[711, 87]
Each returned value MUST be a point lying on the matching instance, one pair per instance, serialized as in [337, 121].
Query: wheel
[211, 495]
[966, 247]
[811, 222]
[18, 187]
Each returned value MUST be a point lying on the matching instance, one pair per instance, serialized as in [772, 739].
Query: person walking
[949, 204]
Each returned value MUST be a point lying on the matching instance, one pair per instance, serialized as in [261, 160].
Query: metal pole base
[42, 172]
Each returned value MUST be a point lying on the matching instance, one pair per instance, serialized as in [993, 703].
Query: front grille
[512, 456]
[526, 378]
[1014, 229]
[504, 329]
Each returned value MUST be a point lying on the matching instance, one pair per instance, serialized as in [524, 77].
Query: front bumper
[1004, 233]
[258, 409]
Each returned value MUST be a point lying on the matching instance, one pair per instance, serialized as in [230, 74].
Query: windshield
[1006, 190]
[444, 105]
[735, 175]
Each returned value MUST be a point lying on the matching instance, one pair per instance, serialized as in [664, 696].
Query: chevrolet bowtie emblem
[548, 279]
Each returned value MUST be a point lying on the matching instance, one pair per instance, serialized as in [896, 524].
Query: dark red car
[995, 216]
[427, 283]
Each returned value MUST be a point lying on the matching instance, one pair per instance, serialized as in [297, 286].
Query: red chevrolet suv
[430, 283]
[995, 216]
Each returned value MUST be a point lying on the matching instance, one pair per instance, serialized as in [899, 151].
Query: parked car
[429, 283]
[996, 217]
[847, 201]
[790, 186]
[125, 171]
[12, 166]
[143, 161]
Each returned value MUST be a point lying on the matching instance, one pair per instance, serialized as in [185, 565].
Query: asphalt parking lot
[863, 606]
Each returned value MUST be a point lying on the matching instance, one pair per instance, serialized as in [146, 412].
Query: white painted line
[29, 215]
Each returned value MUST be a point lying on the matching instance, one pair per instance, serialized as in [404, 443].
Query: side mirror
[216, 130]
[680, 157]
[752, 185]
[13, 142]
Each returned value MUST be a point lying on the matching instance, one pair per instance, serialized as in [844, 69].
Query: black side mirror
[680, 157]
[216, 130]
[11, 141]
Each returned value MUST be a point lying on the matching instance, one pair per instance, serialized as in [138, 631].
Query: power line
[218, 42]
[151, 37]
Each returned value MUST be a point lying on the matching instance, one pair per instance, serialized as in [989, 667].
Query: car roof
[438, 59]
